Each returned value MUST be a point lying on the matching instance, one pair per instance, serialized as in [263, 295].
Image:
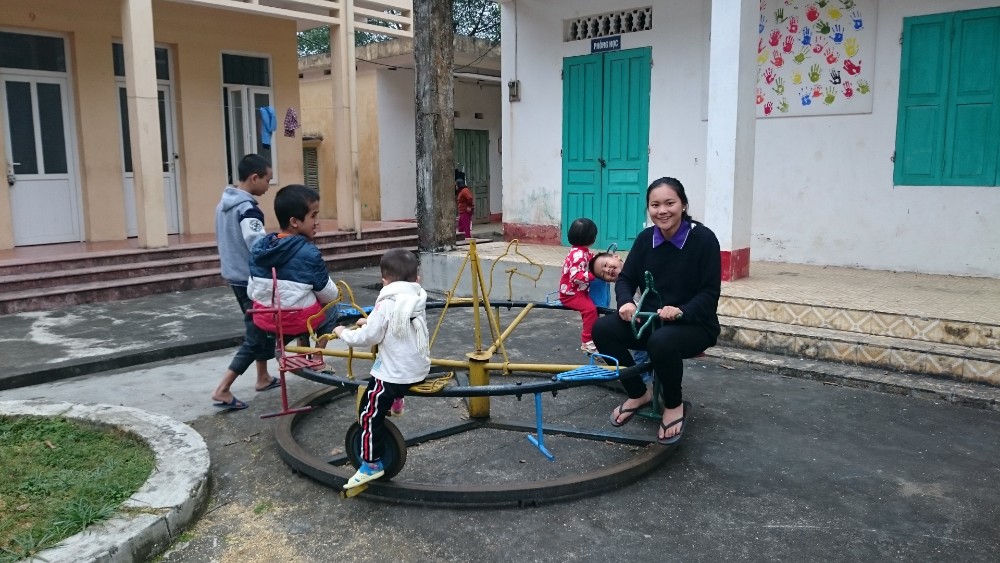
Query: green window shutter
[973, 130]
[923, 98]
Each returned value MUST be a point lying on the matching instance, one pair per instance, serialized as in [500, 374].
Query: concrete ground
[770, 468]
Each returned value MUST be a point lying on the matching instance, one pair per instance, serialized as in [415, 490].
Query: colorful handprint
[823, 27]
[819, 46]
[831, 56]
[796, 77]
[783, 105]
[776, 59]
[761, 24]
[848, 90]
[806, 36]
[812, 14]
[769, 75]
[768, 107]
[852, 68]
[834, 14]
[779, 86]
[775, 38]
[838, 34]
[834, 76]
[805, 96]
[814, 71]
[802, 56]
[851, 47]
[788, 44]
[859, 24]
[793, 24]
[760, 96]
[847, 4]
[817, 91]
[863, 87]
[831, 95]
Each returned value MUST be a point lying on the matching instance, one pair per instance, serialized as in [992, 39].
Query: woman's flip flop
[676, 437]
[622, 411]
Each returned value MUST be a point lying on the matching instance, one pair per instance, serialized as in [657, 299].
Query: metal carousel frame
[476, 388]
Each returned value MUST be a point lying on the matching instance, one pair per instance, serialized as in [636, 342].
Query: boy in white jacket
[398, 324]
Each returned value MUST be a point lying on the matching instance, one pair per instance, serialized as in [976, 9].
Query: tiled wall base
[899, 354]
[958, 333]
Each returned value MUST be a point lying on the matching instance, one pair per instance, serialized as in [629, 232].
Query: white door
[168, 159]
[41, 164]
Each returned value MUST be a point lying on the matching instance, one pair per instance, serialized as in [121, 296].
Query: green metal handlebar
[651, 319]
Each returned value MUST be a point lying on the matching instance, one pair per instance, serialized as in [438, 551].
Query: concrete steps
[61, 281]
[956, 349]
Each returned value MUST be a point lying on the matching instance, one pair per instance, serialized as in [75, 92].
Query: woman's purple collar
[679, 238]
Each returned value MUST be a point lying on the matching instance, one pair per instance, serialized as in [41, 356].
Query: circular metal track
[529, 493]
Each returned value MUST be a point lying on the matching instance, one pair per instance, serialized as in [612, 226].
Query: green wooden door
[626, 142]
[974, 116]
[606, 142]
[472, 156]
[582, 138]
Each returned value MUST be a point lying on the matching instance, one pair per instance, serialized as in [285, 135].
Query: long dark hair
[677, 186]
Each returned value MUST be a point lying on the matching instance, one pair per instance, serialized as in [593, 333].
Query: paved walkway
[770, 468]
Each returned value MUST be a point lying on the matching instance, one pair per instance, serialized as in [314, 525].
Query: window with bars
[611, 23]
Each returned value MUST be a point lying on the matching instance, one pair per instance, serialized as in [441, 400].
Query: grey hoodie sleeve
[251, 220]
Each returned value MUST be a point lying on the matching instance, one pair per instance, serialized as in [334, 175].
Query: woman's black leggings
[667, 347]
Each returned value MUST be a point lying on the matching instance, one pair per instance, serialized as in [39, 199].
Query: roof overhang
[317, 13]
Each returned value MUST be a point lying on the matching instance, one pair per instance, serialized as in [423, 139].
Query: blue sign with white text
[602, 44]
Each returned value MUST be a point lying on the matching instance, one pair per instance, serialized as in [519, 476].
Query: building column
[729, 164]
[144, 121]
[343, 72]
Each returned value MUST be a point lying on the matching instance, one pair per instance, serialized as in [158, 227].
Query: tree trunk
[434, 54]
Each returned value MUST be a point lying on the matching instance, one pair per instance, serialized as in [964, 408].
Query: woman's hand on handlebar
[670, 313]
[626, 311]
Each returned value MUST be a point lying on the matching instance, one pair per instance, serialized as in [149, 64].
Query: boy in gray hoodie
[239, 222]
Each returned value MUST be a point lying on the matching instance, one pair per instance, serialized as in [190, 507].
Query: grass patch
[262, 507]
[59, 477]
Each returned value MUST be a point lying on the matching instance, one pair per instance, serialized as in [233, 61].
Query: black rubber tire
[393, 449]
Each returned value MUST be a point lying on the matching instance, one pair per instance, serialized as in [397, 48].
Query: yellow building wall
[197, 38]
[316, 97]
[369, 164]
[317, 117]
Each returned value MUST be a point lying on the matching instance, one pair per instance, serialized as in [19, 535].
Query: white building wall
[484, 99]
[397, 131]
[532, 164]
[857, 217]
[397, 148]
[823, 191]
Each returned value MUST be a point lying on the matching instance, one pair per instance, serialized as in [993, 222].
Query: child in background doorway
[574, 284]
[466, 205]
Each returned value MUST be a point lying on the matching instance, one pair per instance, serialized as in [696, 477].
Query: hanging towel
[291, 122]
[269, 123]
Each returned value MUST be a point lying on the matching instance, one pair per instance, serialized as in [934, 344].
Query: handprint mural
[829, 44]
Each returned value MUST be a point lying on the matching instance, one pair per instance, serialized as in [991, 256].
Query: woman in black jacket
[683, 257]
